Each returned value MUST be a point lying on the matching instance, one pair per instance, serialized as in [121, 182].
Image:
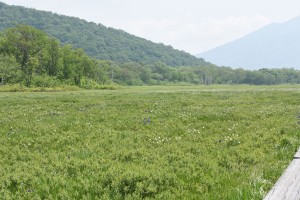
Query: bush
[92, 84]
[45, 81]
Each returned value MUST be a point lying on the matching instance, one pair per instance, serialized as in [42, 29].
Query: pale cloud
[195, 35]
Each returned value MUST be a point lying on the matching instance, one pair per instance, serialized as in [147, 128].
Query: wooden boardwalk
[288, 185]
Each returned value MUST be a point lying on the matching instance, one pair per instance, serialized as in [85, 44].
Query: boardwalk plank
[288, 185]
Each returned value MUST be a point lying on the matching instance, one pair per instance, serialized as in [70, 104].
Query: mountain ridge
[273, 46]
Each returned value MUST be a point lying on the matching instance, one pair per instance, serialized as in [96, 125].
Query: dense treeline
[32, 58]
[96, 40]
[158, 73]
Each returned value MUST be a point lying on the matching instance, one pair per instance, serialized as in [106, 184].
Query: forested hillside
[52, 58]
[97, 40]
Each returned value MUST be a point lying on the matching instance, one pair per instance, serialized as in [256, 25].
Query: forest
[32, 58]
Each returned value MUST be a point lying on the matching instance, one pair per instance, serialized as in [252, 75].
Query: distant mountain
[274, 46]
[97, 40]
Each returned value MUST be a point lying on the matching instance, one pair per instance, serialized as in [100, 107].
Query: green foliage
[41, 61]
[26, 44]
[141, 63]
[159, 142]
[158, 73]
[45, 81]
[61, 87]
[9, 70]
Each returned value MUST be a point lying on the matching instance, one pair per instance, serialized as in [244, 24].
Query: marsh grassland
[183, 142]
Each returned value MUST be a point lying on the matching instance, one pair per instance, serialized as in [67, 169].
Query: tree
[25, 43]
[53, 62]
[68, 62]
[9, 70]
[101, 71]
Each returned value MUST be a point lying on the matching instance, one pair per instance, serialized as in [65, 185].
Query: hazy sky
[190, 25]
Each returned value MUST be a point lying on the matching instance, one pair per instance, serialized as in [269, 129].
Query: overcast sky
[190, 25]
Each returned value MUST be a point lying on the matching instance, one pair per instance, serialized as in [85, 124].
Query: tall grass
[185, 142]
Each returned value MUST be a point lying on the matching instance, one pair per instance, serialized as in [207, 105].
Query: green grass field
[162, 142]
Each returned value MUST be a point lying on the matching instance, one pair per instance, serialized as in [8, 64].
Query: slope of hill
[274, 46]
[97, 40]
